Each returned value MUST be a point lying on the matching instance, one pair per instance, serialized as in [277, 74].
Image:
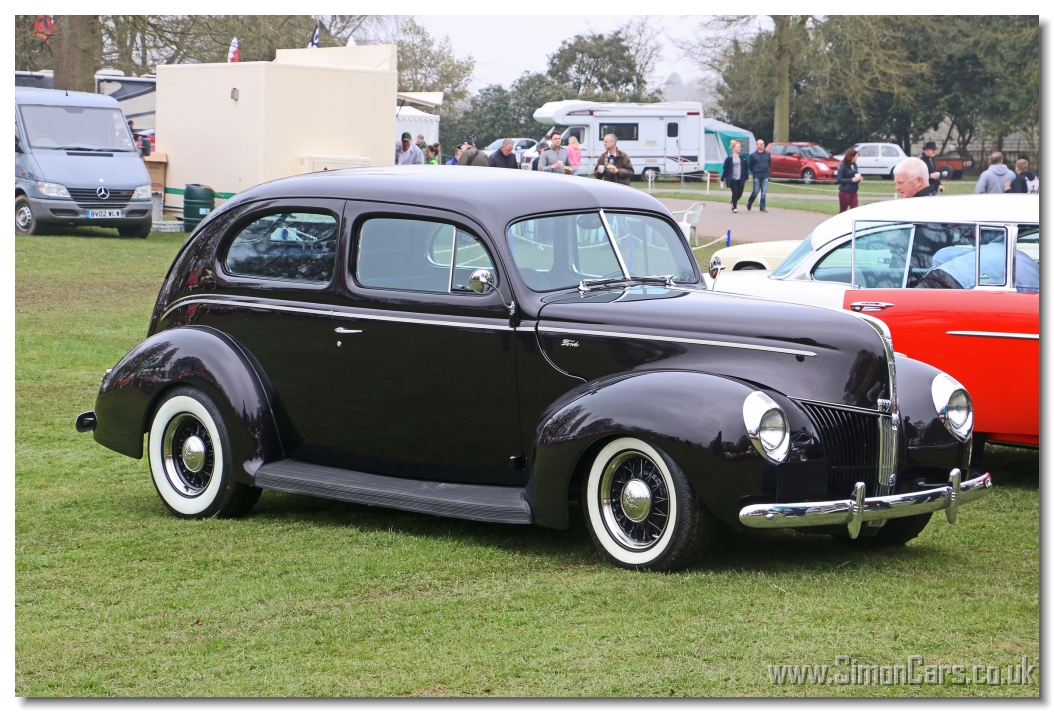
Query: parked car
[763, 256]
[520, 145]
[877, 159]
[493, 346]
[76, 163]
[915, 265]
[808, 162]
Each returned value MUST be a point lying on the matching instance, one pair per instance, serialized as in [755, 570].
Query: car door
[427, 371]
[868, 160]
[778, 166]
[891, 156]
[987, 336]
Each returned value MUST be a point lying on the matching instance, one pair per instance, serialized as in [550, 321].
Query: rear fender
[194, 356]
[695, 418]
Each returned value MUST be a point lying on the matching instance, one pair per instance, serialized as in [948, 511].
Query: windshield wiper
[86, 148]
[586, 284]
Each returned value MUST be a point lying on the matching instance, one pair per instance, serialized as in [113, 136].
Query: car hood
[800, 351]
[120, 171]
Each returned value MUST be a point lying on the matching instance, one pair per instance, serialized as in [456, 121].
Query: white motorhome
[664, 137]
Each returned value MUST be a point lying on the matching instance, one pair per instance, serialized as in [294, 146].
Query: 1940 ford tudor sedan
[503, 345]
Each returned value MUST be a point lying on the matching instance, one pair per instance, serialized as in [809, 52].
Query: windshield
[558, 252]
[495, 145]
[815, 152]
[796, 256]
[76, 127]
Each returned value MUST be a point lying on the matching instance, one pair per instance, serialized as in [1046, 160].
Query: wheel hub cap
[636, 500]
[194, 453]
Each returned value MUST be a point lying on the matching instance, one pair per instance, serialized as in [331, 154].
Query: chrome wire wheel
[188, 454]
[635, 501]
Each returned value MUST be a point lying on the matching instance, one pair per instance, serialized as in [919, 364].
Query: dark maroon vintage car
[504, 345]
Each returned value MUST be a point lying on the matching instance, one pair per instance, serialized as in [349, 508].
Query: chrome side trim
[337, 314]
[614, 245]
[850, 511]
[995, 334]
[675, 339]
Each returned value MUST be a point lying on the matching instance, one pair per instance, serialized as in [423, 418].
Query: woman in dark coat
[848, 177]
[734, 174]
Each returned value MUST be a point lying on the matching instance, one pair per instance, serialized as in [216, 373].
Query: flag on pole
[232, 53]
[43, 27]
[314, 38]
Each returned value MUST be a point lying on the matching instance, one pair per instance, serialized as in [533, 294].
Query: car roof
[1008, 207]
[492, 197]
[58, 97]
[796, 143]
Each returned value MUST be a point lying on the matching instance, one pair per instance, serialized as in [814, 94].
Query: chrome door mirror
[715, 267]
[481, 279]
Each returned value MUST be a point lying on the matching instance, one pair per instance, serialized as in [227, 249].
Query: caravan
[663, 138]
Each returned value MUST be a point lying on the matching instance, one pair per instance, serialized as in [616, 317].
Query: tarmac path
[753, 226]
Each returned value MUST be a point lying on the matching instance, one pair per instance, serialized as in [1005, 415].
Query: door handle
[342, 330]
[870, 306]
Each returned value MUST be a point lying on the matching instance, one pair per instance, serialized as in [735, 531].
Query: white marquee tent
[416, 122]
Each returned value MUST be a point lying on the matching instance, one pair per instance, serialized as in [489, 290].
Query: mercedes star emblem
[103, 192]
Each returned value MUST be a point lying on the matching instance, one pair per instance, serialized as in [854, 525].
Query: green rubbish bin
[198, 201]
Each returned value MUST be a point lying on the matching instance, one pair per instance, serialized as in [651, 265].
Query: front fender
[196, 356]
[695, 418]
[926, 442]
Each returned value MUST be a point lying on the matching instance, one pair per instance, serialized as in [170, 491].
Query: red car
[808, 162]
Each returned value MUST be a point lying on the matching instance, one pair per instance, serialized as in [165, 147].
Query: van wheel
[190, 459]
[142, 230]
[641, 511]
[25, 220]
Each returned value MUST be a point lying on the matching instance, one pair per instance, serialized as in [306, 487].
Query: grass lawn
[309, 597]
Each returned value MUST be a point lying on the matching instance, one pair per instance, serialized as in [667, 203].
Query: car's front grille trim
[88, 198]
[852, 443]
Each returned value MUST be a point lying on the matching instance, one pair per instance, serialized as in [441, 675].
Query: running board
[481, 503]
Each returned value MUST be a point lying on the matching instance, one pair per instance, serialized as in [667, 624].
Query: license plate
[103, 213]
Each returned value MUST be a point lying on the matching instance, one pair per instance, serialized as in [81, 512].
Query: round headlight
[767, 426]
[953, 405]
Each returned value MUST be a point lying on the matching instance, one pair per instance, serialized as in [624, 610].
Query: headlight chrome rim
[760, 415]
[141, 193]
[953, 405]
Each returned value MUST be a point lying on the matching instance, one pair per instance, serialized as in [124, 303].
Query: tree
[427, 65]
[77, 50]
[31, 53]
[601, 68]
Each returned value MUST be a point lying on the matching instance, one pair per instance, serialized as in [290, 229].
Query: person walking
[911, 179]
[1025, 182]
[504, 156]
[994, 178]
[407, 154]
[848, 177]
[928, 152]
[471, 156]
[734, 174]
[760, 163]
[574, 153]
[432, 153]
[555, 158]
[614, 166]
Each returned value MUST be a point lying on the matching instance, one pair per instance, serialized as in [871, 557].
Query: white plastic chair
[690, 219]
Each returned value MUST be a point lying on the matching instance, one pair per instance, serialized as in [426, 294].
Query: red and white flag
[232, 53]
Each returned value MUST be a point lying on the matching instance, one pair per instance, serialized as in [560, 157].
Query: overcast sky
[506, 46]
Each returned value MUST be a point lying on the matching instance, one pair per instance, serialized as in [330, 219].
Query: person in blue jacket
[734, 174]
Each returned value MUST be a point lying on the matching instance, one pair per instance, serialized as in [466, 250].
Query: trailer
[663, 138]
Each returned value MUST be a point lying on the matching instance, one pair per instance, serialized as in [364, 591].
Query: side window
[881, 259]
[295, 247]
[779, 150]
[524, 144]
[416, 256]
[890, 152]
[868, 151]
[992, 266]
[671, 129]
[1026, 259]
[943, 257]
[623, 132]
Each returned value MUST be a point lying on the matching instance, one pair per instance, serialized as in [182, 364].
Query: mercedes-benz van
[77, 164]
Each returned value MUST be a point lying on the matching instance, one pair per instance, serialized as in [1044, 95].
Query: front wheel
[808, 176]
[142, 230]
[641, 511]
[190, 459]
[25, 221]
[653, 172]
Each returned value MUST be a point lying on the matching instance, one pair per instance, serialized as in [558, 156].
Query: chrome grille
[87, 198]
[852, 444]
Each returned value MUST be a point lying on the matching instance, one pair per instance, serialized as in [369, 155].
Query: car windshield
[495, 144]
[558, 252]
[76, 127]
[815, 152]
[796, 256]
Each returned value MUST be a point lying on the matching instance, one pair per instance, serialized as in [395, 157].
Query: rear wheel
[641, 511]
[190, 459]
[808, 176]
[743, 266]
[946, 172]
[25, 220]
[653, 172]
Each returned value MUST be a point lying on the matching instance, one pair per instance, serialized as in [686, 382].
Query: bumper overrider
[854, 512]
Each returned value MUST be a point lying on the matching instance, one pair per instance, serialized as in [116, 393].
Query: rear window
[292, 247]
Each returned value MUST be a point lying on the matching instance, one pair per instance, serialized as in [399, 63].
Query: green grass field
[308, 597]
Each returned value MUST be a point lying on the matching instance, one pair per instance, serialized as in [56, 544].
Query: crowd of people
[613, 165]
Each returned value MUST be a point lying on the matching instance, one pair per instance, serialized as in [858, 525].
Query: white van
[663, 138]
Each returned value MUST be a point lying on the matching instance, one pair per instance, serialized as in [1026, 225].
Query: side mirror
[715, 268]
[795, 155]
[145, 150]
[481, 279]
[18, 144]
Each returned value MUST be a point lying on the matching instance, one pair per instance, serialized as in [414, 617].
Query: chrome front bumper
[854, 512]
